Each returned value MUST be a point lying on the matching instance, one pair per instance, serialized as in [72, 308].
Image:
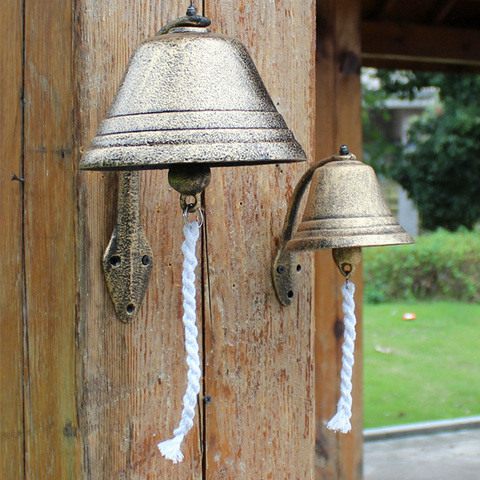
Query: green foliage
[423, 369]
[405, 83]
[440, 165]
[378, 150]
[440, 265]
[452, 87]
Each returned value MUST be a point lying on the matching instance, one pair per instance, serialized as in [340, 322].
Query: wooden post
[257, 355]
[131, 377]
[259, 364]
[338, 121]
[84, 396]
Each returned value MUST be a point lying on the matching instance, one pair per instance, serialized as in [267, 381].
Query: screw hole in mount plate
[299, 268]
[130, 308]
[115, 260]
[290, 294]
[145, 260]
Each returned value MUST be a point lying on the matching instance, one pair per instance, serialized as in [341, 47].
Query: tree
[440, 165]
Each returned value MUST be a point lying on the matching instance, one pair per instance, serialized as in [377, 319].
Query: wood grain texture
[388, 41]
[338, 121]
[50, 411]
[11, 263]
[421, 65]
[258, 355]
[131, 377]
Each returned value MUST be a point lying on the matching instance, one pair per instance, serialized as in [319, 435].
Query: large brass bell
[345, 210]
[189, 100]
[189, 96]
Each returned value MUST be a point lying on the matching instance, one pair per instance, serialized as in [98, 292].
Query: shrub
[440, 265]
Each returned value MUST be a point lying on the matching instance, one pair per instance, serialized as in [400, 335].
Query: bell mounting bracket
[128, 259]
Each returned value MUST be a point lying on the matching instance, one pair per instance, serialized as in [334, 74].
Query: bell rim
[352, 232]
[216, 155]
[373, 240]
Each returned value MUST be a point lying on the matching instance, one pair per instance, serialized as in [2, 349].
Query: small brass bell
[345, 208]
[345, 211]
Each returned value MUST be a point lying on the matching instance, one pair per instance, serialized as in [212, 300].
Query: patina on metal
[345, 210]
[190, 96]
[128, 259]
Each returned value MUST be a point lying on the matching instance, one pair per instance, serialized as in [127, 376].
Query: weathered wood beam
[398, 64]
[131, 378]
[443, 10]
[412, 46]
[259, 355]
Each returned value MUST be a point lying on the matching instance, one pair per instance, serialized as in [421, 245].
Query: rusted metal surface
[345, 208]
[210, 85]
[347, 259]
[286, 267]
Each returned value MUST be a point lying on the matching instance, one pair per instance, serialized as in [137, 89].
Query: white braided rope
[171, 449]
[341, 420]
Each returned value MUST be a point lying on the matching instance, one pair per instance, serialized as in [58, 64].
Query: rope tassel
[171, 449]
[341, 420]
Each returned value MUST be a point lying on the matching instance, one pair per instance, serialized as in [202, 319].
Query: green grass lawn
[420, 370]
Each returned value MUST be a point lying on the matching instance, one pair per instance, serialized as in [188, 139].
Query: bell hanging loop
[191, 20]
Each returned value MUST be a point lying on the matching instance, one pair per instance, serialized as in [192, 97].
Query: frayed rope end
[171, 449]
[340, 423]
